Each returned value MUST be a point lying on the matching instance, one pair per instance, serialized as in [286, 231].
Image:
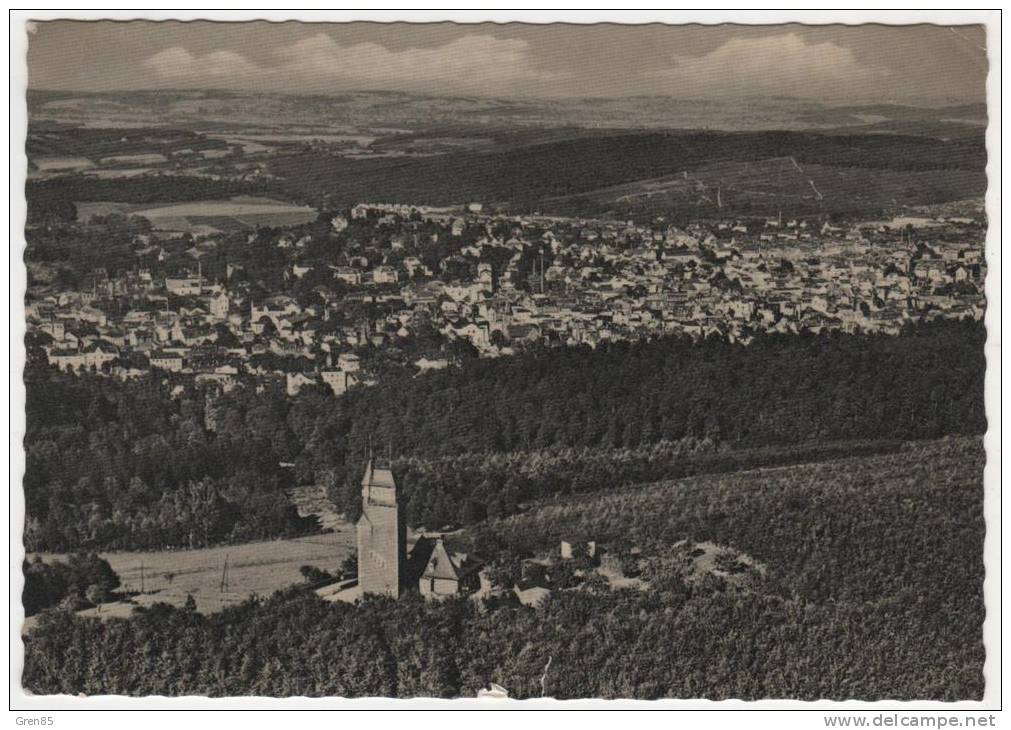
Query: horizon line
[921, 103]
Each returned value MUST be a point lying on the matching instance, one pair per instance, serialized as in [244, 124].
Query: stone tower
[382, 534]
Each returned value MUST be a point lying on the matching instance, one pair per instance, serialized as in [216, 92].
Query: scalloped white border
[32, 706]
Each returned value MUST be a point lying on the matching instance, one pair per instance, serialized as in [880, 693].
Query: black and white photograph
[505, 361]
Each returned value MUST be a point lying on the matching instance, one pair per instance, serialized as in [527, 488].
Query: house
[447, 574]
[413, 265]
[54, 328]
[183, 286]
[140, 338]
[348, 275]
[484, 277]
[531, 593]
[493, 691]
[274, 308]
[65, 359]
[569, 549]
[384, 275]
[339, 381]
[425, 364]
[523, 332]
[170, 361]
[93, 356]
[349, 362]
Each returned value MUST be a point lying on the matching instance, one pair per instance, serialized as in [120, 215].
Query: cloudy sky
[871, 63]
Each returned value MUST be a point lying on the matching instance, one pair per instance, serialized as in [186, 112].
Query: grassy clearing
[241, 211]
[253, 568]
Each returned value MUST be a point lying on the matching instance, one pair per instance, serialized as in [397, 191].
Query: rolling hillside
[862, 173]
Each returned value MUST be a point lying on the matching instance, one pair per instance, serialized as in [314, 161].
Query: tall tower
[382, 534]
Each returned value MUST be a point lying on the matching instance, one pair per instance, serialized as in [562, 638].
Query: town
[425, 285]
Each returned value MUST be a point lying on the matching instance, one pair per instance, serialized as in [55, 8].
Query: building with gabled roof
[448, 574]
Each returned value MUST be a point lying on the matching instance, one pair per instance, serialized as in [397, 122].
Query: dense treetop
[114, 464]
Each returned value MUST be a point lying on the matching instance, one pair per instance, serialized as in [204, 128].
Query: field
[242, 212]
[259, 568]
[861, 161]
[253, 568]
[140, 159]
[114, 173]
[358, 139]
[49, 164]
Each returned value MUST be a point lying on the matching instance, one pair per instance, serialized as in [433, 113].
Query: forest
[121, 465]
[97, 142]
[875, 523]
[527, 177]
[82, 579]
[867, 558]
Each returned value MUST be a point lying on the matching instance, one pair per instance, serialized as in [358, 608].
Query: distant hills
[383, 108]
[636, 156]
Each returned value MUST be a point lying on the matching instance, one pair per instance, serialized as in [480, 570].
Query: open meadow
[219, 577]
[240, 212]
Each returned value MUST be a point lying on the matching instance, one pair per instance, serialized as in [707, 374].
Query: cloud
[471, 63]
[771, 65]
[177, 63]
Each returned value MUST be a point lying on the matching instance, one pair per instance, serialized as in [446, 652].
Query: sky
[922, 64]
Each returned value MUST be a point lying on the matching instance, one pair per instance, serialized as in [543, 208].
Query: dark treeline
[465, 489]
[780, 391]
[114, 464]
[101, 142]
[82, 579]
[72, 250]
[122, 465]
[51, 201]
[680, 640]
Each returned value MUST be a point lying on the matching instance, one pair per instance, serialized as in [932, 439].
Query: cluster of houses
[505, 282]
